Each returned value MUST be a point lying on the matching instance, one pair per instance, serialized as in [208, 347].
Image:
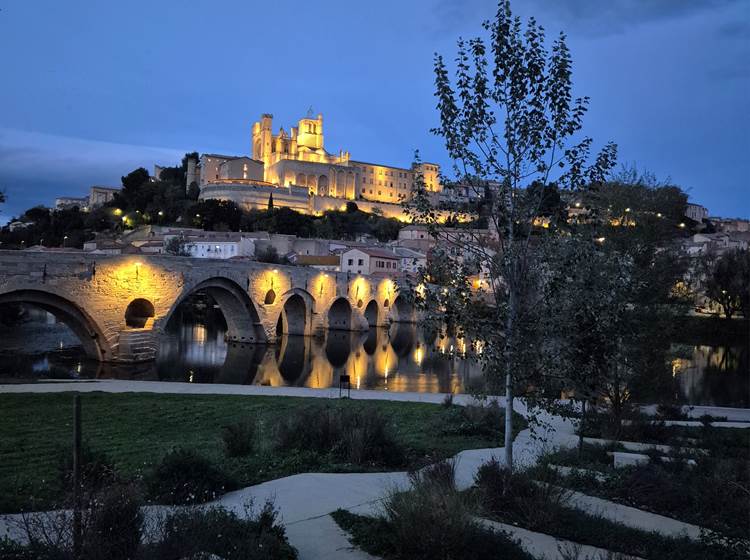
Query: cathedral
[294, 170]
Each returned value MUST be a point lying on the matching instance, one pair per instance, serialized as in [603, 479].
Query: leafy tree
[134, 180]
[728, 281]
[177, 247]
[214, 214]
[508, 117]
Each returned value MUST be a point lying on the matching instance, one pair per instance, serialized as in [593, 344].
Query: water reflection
[400, 358]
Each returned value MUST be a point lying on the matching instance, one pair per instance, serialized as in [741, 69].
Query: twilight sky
[93, 89]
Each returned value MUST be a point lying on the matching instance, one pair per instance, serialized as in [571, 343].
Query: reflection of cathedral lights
[199, 334]
[190, 378]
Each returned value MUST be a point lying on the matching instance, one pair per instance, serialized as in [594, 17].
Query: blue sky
[93, 89]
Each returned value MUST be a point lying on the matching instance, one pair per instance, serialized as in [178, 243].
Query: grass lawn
[135, 430]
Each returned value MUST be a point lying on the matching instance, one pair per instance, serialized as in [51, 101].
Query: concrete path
[321, 537]
[547, 547]
[633, 517]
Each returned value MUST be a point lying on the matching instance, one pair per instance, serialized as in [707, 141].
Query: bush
[356, 435]
[97, 470]
[113, 526]
[485, 420]
[185, 477]
[432, 520]
[239, 438]
[258, 536]
[515, 497]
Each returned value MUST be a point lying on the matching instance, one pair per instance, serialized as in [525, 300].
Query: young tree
[508, 117]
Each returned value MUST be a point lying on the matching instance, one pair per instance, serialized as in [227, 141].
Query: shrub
[216, 531]
[432, 520]
[113, 526]
[515, 497]
[239, 438]
[97, 470]
[355, 435]
[487, 420]
[185, 477]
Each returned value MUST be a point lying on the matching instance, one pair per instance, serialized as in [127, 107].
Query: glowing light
[600, 239]
[682, 224]
[117, 212]
[658, 214]
[627, 209]
[161, 213]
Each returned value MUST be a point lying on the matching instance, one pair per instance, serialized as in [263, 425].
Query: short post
[345, 380]
[76, 476]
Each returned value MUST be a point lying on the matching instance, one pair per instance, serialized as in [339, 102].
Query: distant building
[97, 196]
[410, 261]
[730, 224]
[370, 260]
[696, 212]
[295, 170]
[329, 263]
[68, 202]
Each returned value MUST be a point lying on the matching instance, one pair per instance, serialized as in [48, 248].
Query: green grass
[135, 430]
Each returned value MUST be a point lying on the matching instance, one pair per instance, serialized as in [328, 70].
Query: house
[410, 261]
[370, 260]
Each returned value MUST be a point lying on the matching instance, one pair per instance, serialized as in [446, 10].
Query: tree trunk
[509, 421]
[581, 427]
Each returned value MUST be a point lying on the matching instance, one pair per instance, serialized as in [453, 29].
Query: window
[350, 262]
[360, 262]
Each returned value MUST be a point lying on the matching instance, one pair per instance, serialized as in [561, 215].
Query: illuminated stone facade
[295, 167]
[119, 306]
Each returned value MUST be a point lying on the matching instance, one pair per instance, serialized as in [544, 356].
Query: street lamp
[65, 238]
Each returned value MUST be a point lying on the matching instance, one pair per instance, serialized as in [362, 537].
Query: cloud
[36, 168]
[589, 17]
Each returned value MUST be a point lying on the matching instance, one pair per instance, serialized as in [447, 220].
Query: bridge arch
[138, 313]
[296, 313]
[371, 313]
[95, 344]
[340, 315]
[402, 311]
[240, 314]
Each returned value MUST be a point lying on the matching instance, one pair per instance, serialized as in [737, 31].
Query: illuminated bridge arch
[240, 314]
[95, 344]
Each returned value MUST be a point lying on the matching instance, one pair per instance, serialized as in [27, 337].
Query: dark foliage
[431, 521]
[97, 470]
[184, 477]
[358, 436]
[221, 532]
[239, 438]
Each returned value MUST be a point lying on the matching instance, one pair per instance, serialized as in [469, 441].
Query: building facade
[295, 170]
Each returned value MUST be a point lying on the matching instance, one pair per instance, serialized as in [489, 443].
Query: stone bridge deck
[120, 305]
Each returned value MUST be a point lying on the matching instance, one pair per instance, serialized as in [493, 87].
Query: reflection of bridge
[119, 305]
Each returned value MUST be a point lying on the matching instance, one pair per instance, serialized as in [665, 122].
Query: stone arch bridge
[119, 306]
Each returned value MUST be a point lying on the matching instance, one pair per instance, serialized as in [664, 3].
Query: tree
[134, 180]
[214, 214]
[728, 282]
[177, 247]
[270, 202]
[509, 117]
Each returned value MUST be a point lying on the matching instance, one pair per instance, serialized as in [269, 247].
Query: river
[394, 359]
